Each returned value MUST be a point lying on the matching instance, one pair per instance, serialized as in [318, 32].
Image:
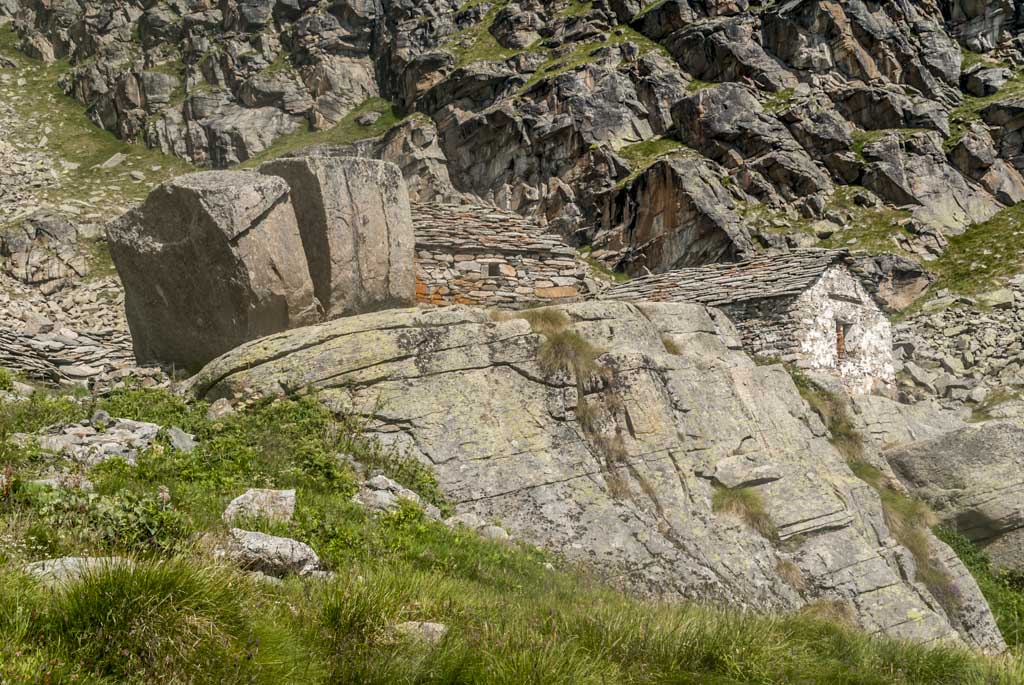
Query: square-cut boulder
[209, 261]
[356, 228]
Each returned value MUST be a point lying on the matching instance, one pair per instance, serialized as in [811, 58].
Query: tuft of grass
[6, 380]
[170, 621]
[568, 352]
[747, 505]
[834, 411]
[544, 320]
[791, 575]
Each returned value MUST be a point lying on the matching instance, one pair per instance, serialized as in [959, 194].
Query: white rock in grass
[381, 494]
[271, 555]
[69, 569]
[277, 505]
[422, 630]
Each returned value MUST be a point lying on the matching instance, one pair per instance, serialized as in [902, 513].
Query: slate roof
[769, 276]
[475, 228]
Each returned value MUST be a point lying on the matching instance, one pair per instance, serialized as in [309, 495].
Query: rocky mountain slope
[636, 440]
[664, 133]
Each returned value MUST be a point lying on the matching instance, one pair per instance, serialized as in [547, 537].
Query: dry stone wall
[468, 254]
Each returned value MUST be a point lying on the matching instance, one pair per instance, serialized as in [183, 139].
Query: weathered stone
[971, 478]
[274, 556]
[353, 216]
[209, 261]
[55, 572]
[277, 505]
[431, 633]
[677, 213]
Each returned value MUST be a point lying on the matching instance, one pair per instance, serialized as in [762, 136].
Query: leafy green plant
[6, 380]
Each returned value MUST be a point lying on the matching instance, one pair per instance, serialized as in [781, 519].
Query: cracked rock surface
[628, 487]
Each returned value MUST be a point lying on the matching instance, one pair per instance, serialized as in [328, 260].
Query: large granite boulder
[210, 260]
[619, 469]
[356, 229]
[973, 479]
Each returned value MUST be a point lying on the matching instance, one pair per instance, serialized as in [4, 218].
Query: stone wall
[802, 330]
[479, 255]
[766, 327]
[494, 279]
[839, 297]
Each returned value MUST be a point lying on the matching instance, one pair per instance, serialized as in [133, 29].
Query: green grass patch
[747, 505]
[984, 255]
[345, 132]
[969, 110]
[779, 101]
[476, 43]
[74, 138]
[512, 615]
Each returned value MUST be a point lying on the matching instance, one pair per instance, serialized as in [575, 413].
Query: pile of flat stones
[961, 349]
[26, 171]
[78, 335]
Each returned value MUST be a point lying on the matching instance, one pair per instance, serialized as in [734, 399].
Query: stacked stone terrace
[469, 254]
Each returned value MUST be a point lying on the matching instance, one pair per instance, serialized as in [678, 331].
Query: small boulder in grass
[54, 572]
[425, 631]
[276, 505]
[271, 555]
[220, 409]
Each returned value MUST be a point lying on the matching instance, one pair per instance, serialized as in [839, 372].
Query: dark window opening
[493, 269]
[842, 332]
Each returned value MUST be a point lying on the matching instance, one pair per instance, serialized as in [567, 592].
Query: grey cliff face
[560, 114]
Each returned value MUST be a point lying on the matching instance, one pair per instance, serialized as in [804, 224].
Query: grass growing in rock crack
[834, 412]
[1003, 589]
[910, 521]
[747, 505]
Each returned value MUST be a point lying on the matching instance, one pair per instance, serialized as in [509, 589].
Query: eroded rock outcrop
[972, 478]
[620, 468]
[677, 213]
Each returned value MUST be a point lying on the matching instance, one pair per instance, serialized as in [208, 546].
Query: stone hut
[468, 254]
[804, 307]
